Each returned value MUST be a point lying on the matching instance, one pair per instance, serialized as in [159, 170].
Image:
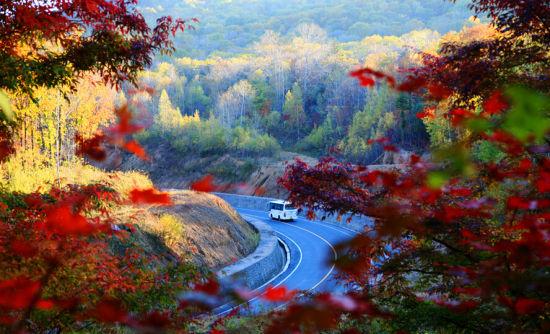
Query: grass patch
[29, 171]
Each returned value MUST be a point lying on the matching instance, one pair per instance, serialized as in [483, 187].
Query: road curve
[311, 245]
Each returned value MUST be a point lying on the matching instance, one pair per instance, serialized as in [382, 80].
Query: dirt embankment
[170, 171]
[199, 225]
[269, 171]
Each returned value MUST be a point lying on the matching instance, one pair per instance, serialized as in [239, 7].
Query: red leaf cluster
[428, 113]
[211, 287]
[367, 77]
[63, 232]
[109, 310]
[118, 42]
[431, 216]
[6, 143]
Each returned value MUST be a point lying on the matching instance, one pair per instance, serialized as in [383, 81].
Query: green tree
[196, 99]
[293, 111]
[264, 94]
[371, 123]
[321, 138]
[272, 123]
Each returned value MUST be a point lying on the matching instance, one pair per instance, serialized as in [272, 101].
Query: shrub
[209, 137]
[171, 230]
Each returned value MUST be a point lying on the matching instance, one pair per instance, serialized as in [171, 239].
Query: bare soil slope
[170, 171]
[213, 231]
[270, 170]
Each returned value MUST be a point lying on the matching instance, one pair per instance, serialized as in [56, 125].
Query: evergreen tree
[196, 99]
[321, 138]
[264, 96]
[371, 123]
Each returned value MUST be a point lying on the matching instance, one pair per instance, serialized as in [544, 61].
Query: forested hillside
[244, 86]
[230, 27]
[255, 78]
[287, 93]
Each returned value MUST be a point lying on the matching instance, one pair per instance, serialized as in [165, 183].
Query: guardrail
[264, 263]
[357, 223]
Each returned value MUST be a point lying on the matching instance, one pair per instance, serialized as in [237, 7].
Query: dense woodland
[231, 27]
[273, 84]
[294, 93]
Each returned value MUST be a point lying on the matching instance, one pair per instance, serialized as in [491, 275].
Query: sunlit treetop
[517, 17]
[51, 43]
[518, 53]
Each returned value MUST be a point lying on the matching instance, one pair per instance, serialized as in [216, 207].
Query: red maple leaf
[412, 84]
[155, 319]
[6, 145]
[428, 113]
[515, 202]
[150, 196]
[125, 126]
[543, 183]
[439, 92]
[278, 294]
[458, 116]
[363, 75]
[45, 304]
[495, 104]
[134, 147]
[24, 248]
[92, 147]
[527, 306]
[18, 293]
[62, 220]
[109, 310]
[210, 287]
[381, 140]
[366, 81]
[468, 291]
[206, 184]
[390, 148]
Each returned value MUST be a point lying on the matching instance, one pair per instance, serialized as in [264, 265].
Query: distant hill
[230, 26]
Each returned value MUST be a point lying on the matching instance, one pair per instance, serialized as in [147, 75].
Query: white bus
[282, 210]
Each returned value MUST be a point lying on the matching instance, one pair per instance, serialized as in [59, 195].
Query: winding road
[312, 249]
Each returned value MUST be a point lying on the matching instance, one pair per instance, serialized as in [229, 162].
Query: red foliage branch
[444, 220]
[46, 43]
[464, 240]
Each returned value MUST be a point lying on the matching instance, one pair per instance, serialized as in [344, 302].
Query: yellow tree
[168, 117]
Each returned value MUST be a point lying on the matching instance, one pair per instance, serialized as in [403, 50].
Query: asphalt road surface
[311, 245]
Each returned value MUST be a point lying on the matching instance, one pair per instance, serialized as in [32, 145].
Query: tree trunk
[41, 129]
[58, 139]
